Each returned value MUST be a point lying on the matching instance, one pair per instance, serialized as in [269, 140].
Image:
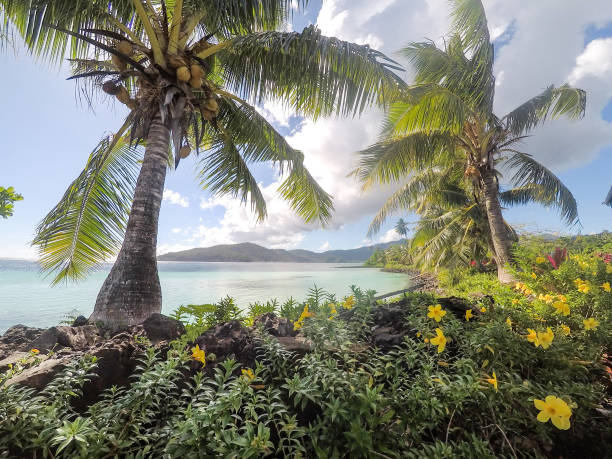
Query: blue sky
[47, 135]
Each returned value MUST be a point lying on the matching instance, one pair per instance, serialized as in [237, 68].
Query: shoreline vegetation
[463, 370]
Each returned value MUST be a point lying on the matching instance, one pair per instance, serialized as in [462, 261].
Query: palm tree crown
[445, 121]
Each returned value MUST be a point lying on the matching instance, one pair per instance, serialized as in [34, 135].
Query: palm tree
[191, 73]
[401, 227]
[447, 115]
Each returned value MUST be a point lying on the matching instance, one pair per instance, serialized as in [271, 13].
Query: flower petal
[539, 404]
[543, 416]
[561, 422]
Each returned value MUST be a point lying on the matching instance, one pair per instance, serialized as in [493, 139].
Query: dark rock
[55, 338]
[227, 340]
[295, 344]
[80, 321]
[18, 338]
[159, 327]
[47, 340]
[276, 326]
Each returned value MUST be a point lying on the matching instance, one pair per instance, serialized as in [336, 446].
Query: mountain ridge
[250, 252]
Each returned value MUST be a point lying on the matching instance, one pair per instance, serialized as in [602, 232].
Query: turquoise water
[26, 296]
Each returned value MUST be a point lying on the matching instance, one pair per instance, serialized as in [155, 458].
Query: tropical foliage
[444, 125]
[473, 383]
[8, 197]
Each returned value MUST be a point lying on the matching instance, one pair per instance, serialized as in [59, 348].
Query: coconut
[184, 151]
[472, 171]
[123, 95]
[207, 114]
[118, 62]
[183, 74]
[176, 62]
[212, 105]
[195, 82]
[196, 71]
[110, 88]
[125, 47]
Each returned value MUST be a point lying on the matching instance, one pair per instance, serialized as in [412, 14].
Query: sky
[47, 134]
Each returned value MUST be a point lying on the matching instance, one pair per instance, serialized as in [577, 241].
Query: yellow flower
[583, 288]
[547, 298]
[578, 281]
[527, 291]
[566, 329]
[545, 339]
[306, 313]
[34, 351]
[418, 335]
[540, 260]
[297, 325]
[515, 301]
[591, 323]
[483, 309]
[518, 286]
[562, 298]
[562, 308]
[426, 340]
[349, 302]
[439, 340]
[493, 381]
[248, 374]
[606, 286]
[436, 312]
[533, 275]
[468, 315]
[609, 269]
[556, 410]
[509, 322]
[532, 336]
[198, 354]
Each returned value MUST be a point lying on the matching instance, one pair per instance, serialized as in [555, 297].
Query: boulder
[159, 327]
[39, 376]
[276, 326]
[18, 338]
[80, 321]
[228, 340]
[63, 336]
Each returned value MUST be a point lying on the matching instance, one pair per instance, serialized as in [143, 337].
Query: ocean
[26, 296]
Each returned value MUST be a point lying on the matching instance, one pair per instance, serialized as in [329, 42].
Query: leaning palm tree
[448, 114]
[191, 73]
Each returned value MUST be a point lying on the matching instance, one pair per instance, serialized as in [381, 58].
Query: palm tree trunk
[499, 236]
[132, 291]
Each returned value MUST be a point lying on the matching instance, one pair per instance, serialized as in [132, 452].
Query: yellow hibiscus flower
[532, 336]
[562, 308]
[493, 381]
[606, 286]
[545, 339]
[591, 323]
[198, 354]
[468, 315]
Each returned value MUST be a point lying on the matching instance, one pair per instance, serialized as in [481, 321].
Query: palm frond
[315, 75]
[86, 227]
[392, 159]
[552, 102]
[545, 187]
[305, 196]
[224, 171]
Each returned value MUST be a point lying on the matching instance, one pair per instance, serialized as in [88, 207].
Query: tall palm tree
[191, 72]
[447, 114]
[401, 227]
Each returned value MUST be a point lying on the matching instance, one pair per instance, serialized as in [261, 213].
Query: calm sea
[26, 295]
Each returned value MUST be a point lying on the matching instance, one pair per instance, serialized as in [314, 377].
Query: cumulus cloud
[389, 236]
[324, 247]
[176, 198]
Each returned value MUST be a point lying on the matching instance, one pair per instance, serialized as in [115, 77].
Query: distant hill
[253, 252]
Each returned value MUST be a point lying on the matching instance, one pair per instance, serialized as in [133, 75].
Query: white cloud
[174, 197]
[324, 247]
[176, 230]
[389, 236]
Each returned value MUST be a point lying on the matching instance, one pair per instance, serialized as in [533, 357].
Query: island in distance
[247, 251]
